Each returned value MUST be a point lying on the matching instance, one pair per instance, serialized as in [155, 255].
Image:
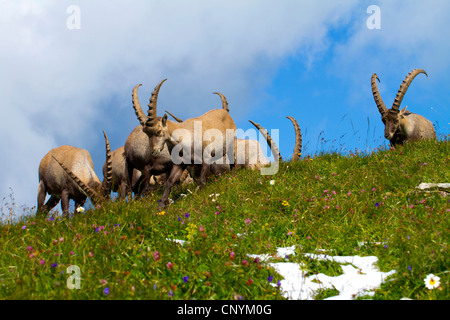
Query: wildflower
[289, 233]
[249, 281]
[71, 253]
[91, 254]
[54, 265]
[24, 227]
[170, 293]
[270, 278]
[61, 239]
[201, 229]
[377, 204]
[161, 213]
[156, 255]
[185, 279]
[80, 209]
[42, 262]
[186, 215]
[279, 283]
[106, 291]
[432, 281]
[349, 193]
[29, 248]
[217, 213]
[244, 262]
[373, 189]
[169, 265]
[285, 203]
[272, 182]
[247, 221]
[232, 255]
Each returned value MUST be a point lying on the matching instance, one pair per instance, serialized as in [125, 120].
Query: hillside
[210, 243]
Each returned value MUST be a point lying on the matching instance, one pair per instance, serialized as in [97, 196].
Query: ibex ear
[402, 111]
[164, 120]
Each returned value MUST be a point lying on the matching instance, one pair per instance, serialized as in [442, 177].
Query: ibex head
[155, 127]
[393, 117]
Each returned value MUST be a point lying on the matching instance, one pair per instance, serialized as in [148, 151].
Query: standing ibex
[190, 136]
[138, 154]
[55, 180]
[402, 125]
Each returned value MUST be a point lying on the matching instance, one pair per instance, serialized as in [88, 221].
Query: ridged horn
[404, 86]
[176, 119]
[152, 106]
[298, 140]
[224, 101]
[376, 95]
[107, 180]
[91, 194]
[270, 142]
[137, 106]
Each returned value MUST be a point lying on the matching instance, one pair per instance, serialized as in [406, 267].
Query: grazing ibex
[55, 180]
[188, 138]
[247, 152]
[119, 179]
[402, 125]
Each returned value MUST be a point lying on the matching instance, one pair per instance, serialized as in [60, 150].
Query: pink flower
[247, 221]
[169, 265]
[42, 262]
[156, 255]
[244, 262]
[232, 255]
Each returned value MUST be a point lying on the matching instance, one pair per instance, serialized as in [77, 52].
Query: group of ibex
[68, 173]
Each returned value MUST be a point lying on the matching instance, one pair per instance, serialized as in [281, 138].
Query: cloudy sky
[67, 69]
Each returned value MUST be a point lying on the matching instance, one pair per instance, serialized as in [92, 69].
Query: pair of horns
[273, 146]
[400, 94]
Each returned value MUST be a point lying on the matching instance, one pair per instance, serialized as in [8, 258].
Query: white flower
[272, 182]
[80, 209]
[432, 281]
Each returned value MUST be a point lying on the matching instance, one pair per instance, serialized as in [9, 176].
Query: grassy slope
[330, 202]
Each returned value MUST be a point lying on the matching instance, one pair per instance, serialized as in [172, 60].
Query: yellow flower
[285, 203]
[161, 213]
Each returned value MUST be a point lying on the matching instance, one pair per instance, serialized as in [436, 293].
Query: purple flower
[270, 278]
[377, 204]
[186, 215]
[54, 265]
[106, 291]
[185, 279]
[24, 227]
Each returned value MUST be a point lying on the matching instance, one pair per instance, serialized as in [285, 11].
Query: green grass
[347, 205]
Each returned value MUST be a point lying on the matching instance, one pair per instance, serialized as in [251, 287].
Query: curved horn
[91, 194]
[404, 86]
[107, 180]
[137, 106]
[152, 114]
[376, 95]
[298, 140]
[224, 101]
[176, 119]
[270, 142]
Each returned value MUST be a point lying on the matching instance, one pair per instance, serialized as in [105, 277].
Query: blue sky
[308, 59]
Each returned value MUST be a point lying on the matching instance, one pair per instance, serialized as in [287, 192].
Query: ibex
[119, 178]
[138, 155]
[55, 180]
[402, 125]
[164, 133]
